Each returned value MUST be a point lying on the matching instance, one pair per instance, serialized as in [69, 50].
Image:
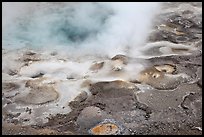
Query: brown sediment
[80, 98]
[86, 83]
[11, 129]
[9, 86]
[179, 49]
[117, 84]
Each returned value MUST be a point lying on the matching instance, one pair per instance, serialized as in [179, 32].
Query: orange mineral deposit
[105, 129]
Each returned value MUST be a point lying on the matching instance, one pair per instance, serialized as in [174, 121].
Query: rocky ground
[165, 98]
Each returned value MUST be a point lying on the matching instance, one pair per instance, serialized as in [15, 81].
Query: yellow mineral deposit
[121, 84]
[171, 29]
[150, 74]
[166, 68]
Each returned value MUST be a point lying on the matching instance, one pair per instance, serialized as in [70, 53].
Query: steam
[103, 29]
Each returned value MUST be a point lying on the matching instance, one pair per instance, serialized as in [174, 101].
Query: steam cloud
[83, 28]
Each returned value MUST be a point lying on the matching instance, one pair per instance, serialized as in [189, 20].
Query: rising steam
[106, 29]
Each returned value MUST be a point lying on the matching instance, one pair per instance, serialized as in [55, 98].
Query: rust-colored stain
[105, 129]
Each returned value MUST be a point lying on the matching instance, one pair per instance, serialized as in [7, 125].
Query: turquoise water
[58, 25]
[90, 28]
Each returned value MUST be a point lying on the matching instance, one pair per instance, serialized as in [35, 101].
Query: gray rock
[80, 98]
[89, 117]
[39, 93]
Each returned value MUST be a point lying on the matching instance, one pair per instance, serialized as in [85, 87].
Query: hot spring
[67, 65]
[83, 28]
